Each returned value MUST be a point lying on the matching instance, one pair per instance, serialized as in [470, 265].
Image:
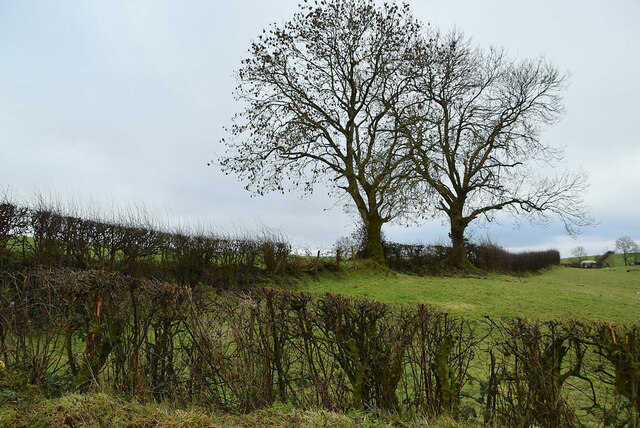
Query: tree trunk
[375, 251]
[459, 258]
[372, 223]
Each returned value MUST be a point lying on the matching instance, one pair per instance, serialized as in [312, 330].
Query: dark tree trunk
[375, 251]
[459, 258]
[372, 222]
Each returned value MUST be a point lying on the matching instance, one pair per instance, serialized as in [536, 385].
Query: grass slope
[611, 295]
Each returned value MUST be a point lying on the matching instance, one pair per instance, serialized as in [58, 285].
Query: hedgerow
[239, 351]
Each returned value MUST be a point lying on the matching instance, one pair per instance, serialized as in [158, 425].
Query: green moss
[447, 387]
[354, 354]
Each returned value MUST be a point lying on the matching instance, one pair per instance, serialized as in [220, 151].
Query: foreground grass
[611, 295]
[100, 409]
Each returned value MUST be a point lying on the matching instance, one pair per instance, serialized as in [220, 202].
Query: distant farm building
[588, 264]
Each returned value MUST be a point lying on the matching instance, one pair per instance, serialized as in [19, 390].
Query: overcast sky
[126, 101]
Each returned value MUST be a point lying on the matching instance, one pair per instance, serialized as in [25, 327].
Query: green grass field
[611, 295]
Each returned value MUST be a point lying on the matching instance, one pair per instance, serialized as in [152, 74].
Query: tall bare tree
[317, 95]
[473, 137]
[627, 247]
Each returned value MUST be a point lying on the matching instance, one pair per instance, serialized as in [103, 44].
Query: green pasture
[611, 295]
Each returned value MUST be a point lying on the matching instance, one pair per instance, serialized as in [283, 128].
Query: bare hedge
[240, 351]
[44, 236]
[435, 259]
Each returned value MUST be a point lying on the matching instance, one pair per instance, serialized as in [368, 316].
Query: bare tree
[627, 247]
[473, 136]
[579, 252]
[318, 94]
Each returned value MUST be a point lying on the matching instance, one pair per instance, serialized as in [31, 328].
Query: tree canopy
[318, 94]
[472, 135]
[366, 100]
